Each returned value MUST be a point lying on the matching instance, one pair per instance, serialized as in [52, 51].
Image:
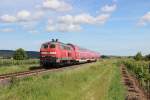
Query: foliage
[147, 57]
[105, 57]
[138, 56]
[140, 69]
[20, 54]
[7, 54]
[9, 62]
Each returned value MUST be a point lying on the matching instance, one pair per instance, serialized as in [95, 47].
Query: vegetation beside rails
[17, 68]
[9, 62]
[96, 81]
[141, 70]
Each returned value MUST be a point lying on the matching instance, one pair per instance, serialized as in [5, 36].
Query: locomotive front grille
[49, 59]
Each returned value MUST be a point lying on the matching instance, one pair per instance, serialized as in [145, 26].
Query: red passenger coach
[57, 53]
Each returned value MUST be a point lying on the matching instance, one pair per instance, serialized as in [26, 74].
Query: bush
[138, 56]
[147, 57]
[20, 54]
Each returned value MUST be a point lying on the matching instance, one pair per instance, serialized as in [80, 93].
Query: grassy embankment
[8, 65]
[96, 81]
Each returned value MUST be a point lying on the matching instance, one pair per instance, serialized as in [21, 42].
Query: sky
[111, 27]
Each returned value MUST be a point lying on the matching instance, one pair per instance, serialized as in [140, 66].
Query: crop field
[95, 81]
[140, 69]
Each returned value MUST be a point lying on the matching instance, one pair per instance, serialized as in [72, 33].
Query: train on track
[55, 53]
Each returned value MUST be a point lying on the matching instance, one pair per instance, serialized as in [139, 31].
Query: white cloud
[51, 26]
[109, 8]
[144, 20]
[67, 19]
[70, 23]
[22, 16]
[57, 5]
[62, 27]
[84, 19]
[66, 23]
[6, 30]
[69, 28]
[101, 19]
[77, 19]
[25, 15]
[8, 19]
[37, 15]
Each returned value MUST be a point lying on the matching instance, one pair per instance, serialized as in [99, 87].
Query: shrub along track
[134, 91]
[6, 79]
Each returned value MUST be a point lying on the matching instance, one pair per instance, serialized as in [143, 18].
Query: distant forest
[9, 54]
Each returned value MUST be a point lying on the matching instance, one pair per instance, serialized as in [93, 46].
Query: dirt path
[134, 92]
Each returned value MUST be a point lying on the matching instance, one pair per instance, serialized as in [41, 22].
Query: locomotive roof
[55, 42]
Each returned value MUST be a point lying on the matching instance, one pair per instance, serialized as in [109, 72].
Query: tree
[147, 57]
[20, 54]
[138, 56]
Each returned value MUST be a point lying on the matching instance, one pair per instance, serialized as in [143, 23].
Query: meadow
[95, 81]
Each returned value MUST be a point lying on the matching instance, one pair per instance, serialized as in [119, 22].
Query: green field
[9, 66]
[16, 68]
[96, 81]
[10, 62]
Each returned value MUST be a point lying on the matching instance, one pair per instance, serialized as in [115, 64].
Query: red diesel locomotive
[57, 53]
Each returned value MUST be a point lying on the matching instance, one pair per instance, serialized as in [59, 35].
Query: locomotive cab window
[44, 46]
[52, 46]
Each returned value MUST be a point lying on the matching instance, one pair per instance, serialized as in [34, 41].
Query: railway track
[5, 76]
[6, 79]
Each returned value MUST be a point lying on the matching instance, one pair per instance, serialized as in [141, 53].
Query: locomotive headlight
[52, 52]
[48, 53]
[44, 52]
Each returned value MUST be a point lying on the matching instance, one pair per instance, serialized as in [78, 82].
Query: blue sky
[112, 27]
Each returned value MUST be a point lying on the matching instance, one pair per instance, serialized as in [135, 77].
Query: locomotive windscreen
[45, 46]
[52, 46]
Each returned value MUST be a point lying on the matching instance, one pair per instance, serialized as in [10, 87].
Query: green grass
[10, 65]
[16, 68]
[97, 81]
[10, 62]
